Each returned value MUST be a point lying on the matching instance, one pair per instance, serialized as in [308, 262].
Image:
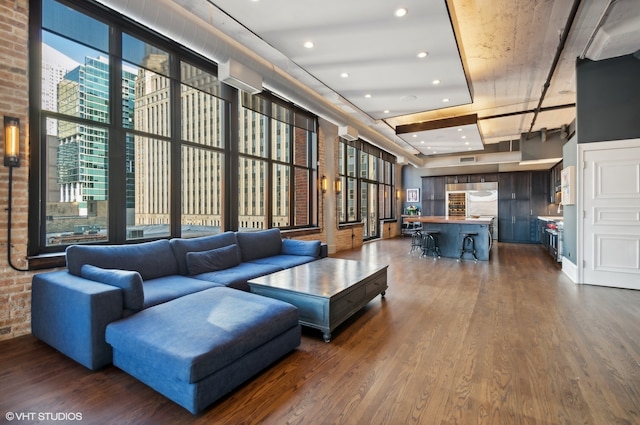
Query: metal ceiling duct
[175, 22]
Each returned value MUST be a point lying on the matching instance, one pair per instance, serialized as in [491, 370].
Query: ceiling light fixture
[435, 82]
[423, 54]
[345, 75]
[446, 99]
[309, 44]
[368, 96]
[386, 111]
[400, 12]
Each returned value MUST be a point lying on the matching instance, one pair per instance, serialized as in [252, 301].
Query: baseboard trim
[570, 269]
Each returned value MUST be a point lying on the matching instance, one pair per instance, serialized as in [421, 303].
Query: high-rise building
[83, 150]
[202, 168]
[55, 65]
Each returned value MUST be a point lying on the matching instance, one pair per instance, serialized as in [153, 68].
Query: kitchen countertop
[453, 220]
[550, 218]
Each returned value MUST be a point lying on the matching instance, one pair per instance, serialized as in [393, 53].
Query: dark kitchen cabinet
[483, 178]
[539, 201]
[554, 183]
[456, 179]
[433, 196]
[540, 196]
[514, 207]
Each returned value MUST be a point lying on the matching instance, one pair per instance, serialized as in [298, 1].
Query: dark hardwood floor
[510, 341]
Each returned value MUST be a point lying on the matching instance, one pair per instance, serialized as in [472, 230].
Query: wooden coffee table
[327, 291]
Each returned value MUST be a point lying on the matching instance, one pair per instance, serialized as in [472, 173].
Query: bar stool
[430, 243]
[468, 245]
[416, 241]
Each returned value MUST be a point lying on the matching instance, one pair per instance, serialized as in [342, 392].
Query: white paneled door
[610, 222]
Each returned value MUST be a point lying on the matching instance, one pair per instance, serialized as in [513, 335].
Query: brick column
[15, 287]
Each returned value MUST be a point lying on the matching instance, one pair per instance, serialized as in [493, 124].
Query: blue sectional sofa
[175, 313]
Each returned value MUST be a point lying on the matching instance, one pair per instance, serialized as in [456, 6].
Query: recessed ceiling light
[368, 96]
[415, 135]
[464, 137]
[400, 12]
[386, 111]
[435, 82]
[423, 54]
[422, 142]
[308, 44]
[446, 99]
[345, 75]
[459, 129]
[429, 147]
[466, 143]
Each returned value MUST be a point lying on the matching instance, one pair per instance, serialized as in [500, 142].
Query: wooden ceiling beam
[436, 124]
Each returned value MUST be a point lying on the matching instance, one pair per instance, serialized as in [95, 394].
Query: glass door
[369, 209]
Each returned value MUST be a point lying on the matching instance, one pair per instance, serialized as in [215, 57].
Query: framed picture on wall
[413, 195]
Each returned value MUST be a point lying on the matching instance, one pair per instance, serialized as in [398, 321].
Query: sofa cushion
[129, 281]
[259, 244]
[298, 247]
[182, 246]
[193, 336]
[237, 277]
[213, 259]
[150, 259]
[167, 288]
[284, 261]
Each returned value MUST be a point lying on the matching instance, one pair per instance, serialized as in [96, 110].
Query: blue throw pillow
[297, 247]
[259, 244]
[129, 281]
[213, 260]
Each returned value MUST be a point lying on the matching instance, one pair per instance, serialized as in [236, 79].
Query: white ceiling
[492, 58]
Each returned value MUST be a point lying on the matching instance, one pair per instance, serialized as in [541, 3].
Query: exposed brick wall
[15, 287]
[349, 237]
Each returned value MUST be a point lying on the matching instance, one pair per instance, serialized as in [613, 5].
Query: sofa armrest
[71, 314]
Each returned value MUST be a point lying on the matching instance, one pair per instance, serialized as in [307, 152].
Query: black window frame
[381, 179]
[118, 25]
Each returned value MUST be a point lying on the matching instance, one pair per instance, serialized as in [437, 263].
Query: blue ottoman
[197, 348]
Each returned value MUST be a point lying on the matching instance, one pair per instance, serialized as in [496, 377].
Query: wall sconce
[398, 194]
[11, 160]
[324, 184]
[338, 186]
[11, 142]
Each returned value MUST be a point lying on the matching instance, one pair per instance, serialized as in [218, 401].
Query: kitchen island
[450, 229]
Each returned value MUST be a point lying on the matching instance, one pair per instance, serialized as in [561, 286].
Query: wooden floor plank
[510, 341]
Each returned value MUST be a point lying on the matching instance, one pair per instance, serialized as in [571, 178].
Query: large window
[136, 141]
[276, 157]
[367, 177]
